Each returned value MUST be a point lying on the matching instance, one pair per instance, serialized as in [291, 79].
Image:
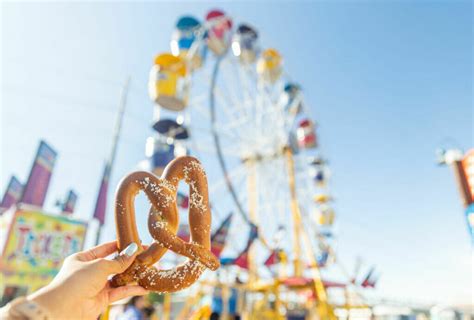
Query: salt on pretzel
[163, 223]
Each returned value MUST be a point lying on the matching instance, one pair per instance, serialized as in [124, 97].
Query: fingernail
[130, 249]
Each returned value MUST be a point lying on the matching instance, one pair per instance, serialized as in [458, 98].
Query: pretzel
[163, 221]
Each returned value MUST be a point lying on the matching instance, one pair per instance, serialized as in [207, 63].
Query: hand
[81, 289]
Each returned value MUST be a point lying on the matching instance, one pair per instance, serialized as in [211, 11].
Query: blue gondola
[319, 177]
[171, 129]
[326, 234]
[317, 161]
[159, 154]
[184, 36]
[292, 99]
[245, 43]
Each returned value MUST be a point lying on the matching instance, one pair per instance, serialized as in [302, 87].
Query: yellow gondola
[322, 198]
[326, 217]
[269, 65]
[167, 84]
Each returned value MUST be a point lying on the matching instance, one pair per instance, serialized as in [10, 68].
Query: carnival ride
[220, 97]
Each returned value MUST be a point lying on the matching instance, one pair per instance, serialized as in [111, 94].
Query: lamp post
[100, 208]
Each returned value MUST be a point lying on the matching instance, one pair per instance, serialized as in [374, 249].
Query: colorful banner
[36, 245]
[12, 193]
[101, 203]
[274, 258]
[183, 232]
[182, 200]
[219, 237]
[322, 259]
[368, 281]
[40, 176]
[70, 204]
[242, 258]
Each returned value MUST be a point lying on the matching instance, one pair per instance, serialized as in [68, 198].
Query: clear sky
[388, 82]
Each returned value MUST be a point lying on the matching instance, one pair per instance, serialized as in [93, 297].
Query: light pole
[101, 206]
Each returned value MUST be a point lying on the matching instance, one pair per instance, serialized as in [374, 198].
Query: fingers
[100, 251]
[121, 262]
[120, 293]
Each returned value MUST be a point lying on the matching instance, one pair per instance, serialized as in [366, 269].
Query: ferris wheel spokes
[232, 110]
[235, 173]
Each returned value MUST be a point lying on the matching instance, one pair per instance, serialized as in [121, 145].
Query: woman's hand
[81, 290]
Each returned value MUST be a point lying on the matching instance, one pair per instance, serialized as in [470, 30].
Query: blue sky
[388, 83]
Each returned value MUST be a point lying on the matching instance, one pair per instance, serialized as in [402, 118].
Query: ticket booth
[33, 247]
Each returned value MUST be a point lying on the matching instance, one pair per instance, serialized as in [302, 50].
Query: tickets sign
[37, 243]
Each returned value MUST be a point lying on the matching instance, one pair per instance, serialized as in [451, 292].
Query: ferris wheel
[221, 97]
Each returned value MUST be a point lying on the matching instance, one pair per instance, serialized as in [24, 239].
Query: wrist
[48, 300]
[22, 308]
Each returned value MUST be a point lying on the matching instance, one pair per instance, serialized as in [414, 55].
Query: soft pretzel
[163, 222]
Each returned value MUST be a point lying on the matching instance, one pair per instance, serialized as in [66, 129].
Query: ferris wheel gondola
[219, 34]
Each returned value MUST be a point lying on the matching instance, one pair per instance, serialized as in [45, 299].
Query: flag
[274, 258]
[242, 258]
[253, 235]
[12, 193]
[367, 280]
[183, 200]
[101, 203]
[70, 203]
[227, 261]
[374, 281]
[183, 232]
[322, 259]
[219, 237]
[40, 175]
[326, 234]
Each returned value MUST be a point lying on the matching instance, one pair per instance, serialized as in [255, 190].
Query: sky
[388, 83]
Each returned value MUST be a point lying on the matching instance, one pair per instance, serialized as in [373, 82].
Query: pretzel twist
[163, 223]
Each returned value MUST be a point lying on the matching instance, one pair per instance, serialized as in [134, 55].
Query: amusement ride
[222, 98]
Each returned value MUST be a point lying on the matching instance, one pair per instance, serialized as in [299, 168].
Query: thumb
[122, 261]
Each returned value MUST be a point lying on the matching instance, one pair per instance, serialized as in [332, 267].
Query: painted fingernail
[130, 249]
